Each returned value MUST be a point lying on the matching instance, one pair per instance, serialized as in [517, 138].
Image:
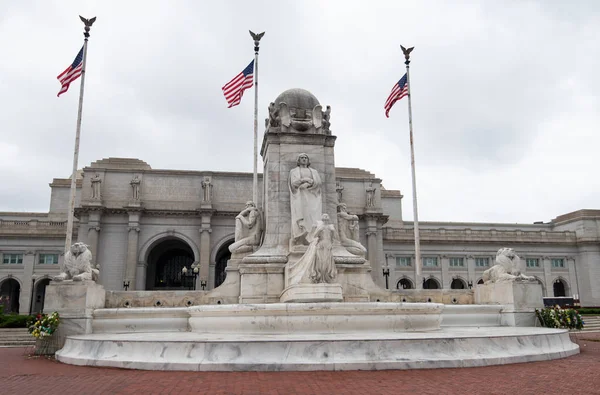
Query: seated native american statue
[506, 268]
[77, 265]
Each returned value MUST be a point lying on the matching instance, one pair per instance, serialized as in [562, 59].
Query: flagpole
[418, 262]
[88, 24]
[256, 38]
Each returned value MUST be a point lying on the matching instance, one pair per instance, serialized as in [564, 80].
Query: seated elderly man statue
[348, 230]
[77, 265]
[248, 228]
[507, 268]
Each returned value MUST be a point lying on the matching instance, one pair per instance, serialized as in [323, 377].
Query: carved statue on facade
[506, 269]
[339, 188]
[317, 265]
[371, 195]
[207, 189]
[248, 229]
[274, 118]
[135, 185]
[77, 265]
[326, 122]
[96, 181]
[348, 231]
[305, 199]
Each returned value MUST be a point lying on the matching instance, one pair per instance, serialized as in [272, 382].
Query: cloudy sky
[505, 94]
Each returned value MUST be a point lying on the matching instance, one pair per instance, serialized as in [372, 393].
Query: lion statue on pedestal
[77, 265]
[507, 268]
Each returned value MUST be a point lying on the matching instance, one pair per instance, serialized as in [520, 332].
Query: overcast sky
[505, 94]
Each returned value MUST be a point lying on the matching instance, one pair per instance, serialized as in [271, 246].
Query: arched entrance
[221, 258]
[165, 261]
[39, 295]
[458, 283]
[10, 291]
[431, 283]
[559, 288]
[404, 283]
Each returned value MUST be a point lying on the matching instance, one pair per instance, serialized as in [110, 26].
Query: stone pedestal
[305, 293]
[75, 302]
[520, 299]
[261, 283]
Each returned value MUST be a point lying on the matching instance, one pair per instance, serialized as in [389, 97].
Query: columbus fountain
[299, 293]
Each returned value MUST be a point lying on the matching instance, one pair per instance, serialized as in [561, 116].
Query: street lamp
[31, 296]
[194, 270]
[126, 285]
[470, 284]
[386, 272]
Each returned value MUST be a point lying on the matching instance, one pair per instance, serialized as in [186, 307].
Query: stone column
[548, 276]
[94, 233]
[140, 276]
[445, 267]
[372, 255]
[471, 270]
[132, 249]
[26, 291]
[573, 286]
[205, 231]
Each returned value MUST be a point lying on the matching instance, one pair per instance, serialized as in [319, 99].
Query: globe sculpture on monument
[299, 293]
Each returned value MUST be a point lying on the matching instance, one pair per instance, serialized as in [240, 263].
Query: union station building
[143, 225]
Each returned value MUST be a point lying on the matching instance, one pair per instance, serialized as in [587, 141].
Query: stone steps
[15, 337]
[591, 323]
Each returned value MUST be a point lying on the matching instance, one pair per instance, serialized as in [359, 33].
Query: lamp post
[386, 272]
[194, 270]
[470, 284]
[31, 295]
[126, 285]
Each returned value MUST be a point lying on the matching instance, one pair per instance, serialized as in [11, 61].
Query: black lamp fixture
[386, 271]
[126, 285]
[470, 284]
[193, 274]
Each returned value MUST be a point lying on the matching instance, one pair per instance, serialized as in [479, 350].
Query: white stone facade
[143, 237]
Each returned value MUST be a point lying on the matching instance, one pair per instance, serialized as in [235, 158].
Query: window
[48, 259]
[456, 262]
[558, 262]
[430, 261]
[14, 259]
[402, 261]
[482, 262]
[532, 262]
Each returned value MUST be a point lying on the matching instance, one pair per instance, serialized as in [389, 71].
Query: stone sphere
[298, 98]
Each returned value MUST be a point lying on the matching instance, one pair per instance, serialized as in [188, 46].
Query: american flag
[235, 88]
[71, 73]
[399, 90]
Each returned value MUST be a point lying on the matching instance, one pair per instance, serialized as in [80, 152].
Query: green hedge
[589, 310]
[14, 321]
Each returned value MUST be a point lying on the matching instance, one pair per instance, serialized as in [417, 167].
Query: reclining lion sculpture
[77, 265]
[506, 268]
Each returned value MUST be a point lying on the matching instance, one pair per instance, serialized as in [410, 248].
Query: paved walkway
[580, 374]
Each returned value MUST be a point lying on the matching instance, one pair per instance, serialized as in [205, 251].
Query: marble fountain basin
[304, 337]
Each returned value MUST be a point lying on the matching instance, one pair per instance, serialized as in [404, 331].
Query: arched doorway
[10, 291]
[39, 295]
[480, 282]
[458, 283]
[559, 288]
[221, 258]
[431, 283]
[404, 283]
[165, 262]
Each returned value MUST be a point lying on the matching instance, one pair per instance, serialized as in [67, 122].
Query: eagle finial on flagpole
[407, 53]
[88, 23]
[256, 38]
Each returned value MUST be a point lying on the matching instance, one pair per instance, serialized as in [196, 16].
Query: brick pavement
[580, 374]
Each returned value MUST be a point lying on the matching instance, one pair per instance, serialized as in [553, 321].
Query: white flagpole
[88, 24]
[256, 38]
[418, 262]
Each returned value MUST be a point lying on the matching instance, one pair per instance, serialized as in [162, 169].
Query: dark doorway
[431, 284]
[223, 255]
[40, 295]
[457, 283]
[404, 283]
[165, 262]
[10, 291]
[559, 288]
[480, 282]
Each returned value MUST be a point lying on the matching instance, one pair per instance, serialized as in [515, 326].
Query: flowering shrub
[555, 317]
[44, 325]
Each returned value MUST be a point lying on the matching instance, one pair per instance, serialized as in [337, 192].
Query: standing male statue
[207, 187]
[370, 195]
[305, 199]
[135, 185]
[96, 180]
